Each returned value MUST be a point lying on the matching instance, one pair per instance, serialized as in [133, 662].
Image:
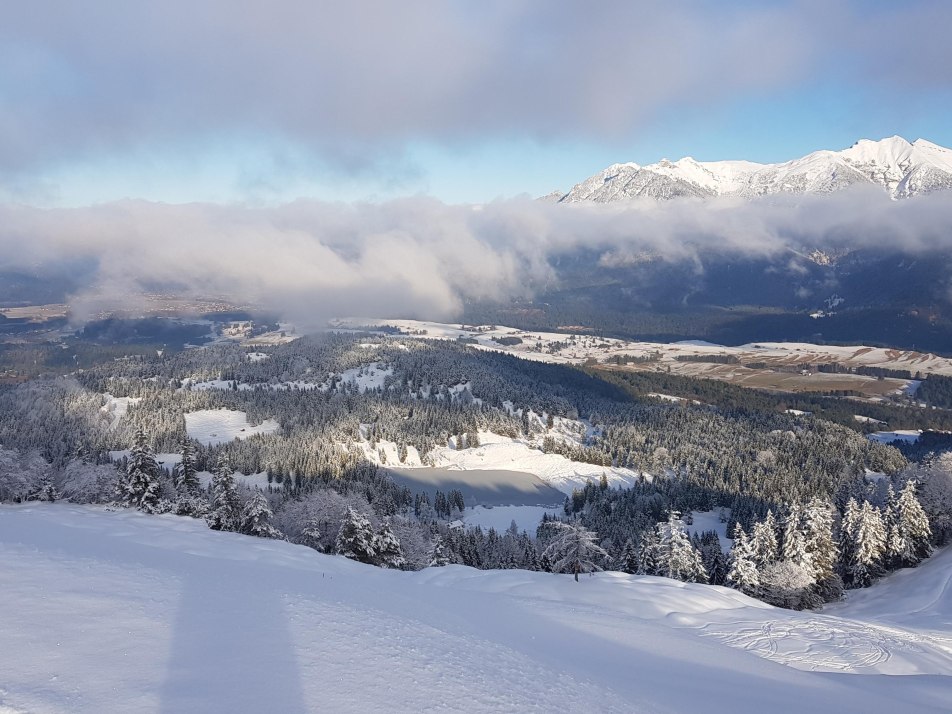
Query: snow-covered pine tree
[311, 534]
[389, 552]
[849, 525]
[712, 555]
[46, 490]
[628, 559]
[911, 527]
[438, 555]
[764, 541]
[573, 549]
[256, 518]
[185, 475]
[794, 542]
[679, 559]
[742, 571]
[821, 548]
[868, 545]
[225, 514]
[648, 553]
[139, 485]
[818, 538]
[356, 539]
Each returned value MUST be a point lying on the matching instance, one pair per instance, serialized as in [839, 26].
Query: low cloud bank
[421, 258]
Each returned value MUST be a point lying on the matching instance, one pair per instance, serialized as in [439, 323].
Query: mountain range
[901, 168]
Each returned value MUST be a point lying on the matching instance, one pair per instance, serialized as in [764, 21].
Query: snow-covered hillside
[901, 168]
[118, 611]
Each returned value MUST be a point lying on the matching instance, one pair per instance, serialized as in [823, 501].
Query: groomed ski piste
[116, 611]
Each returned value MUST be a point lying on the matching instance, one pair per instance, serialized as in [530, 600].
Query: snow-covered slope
[901, 168]
[118, 611]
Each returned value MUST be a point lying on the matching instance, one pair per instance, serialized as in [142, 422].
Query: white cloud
[422, 258]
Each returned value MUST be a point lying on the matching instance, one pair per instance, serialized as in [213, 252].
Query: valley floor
[118, 611]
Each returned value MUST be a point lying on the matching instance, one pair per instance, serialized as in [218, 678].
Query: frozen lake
[482, 487]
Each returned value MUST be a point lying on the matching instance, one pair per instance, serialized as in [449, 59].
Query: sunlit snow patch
[910, 436]
[218, 426]
[116, 407]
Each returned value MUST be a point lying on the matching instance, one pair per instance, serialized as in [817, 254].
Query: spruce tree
[256, 518]
[185, 475]
[648, 553]
[389, 551]
[868, 535]
[225, 514]
[794, 542]
[311, 534]
[356, 539]
[139, 485]
[438, 555]
[821, 548]
[678, 557]
[764, 541]
[912, 528]
[742, 572]
[628, 560]
[574, 550]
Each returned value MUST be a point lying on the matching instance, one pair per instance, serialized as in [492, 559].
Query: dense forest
[811, 478]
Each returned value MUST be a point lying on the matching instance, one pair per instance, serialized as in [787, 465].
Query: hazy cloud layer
[422, 258]
[353, 81]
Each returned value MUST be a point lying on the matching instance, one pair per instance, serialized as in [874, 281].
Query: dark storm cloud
[351, 81]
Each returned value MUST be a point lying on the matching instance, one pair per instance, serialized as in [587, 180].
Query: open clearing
[778, 365]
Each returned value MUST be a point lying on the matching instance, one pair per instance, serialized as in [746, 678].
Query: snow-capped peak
[903, 169]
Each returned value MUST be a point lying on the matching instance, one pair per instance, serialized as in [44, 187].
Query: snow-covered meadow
[219, 426]
[118, 611]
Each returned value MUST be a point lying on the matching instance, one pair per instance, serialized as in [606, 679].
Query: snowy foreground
[119, 612]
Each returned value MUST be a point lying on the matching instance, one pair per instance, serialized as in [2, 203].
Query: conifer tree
[648, 553]
[742, 574]
[821, 548]
[438, 555]
[185, 475]
[712, 555]
[139, 486]
[911, 528]
[794, 543]
[574, 550]
[678, 557]
[225, 514]
[764, 541]
[356, 539]
[256, 518]
[311, 534]
[628, 560]
[864, 527]
[389, 552]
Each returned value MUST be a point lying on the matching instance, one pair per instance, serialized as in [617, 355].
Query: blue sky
[260, 104]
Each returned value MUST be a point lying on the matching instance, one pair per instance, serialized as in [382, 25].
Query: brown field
[779, 381]
[35, 313]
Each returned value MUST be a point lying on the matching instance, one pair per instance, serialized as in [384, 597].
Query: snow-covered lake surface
[526, 518]
[485, 487]
[887, 437]
[502, 453]
[121, 612]
[218, 426]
